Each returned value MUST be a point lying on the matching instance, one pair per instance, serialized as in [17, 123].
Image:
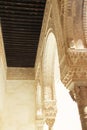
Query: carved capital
[81, 98]
[76, 69]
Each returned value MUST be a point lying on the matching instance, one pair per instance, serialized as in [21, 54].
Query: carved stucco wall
[2, 92]
[45, 61]
[19, 110]
[71, 30]
[51, 22]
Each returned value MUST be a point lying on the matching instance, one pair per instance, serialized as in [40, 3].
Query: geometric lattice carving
[77, 66]
[77, 57]
[85, 19]
[50, 110]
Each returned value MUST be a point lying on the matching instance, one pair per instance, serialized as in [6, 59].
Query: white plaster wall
[2, 89]
[2, 92]
[20, 105]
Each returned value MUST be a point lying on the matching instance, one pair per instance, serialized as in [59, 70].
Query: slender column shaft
[38, 96]
[3, 68]
[81, 98]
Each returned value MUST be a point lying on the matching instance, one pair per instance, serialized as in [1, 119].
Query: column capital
[76, 68]
[81, 99]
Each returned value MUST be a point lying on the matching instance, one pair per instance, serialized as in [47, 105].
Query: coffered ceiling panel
[21, 22]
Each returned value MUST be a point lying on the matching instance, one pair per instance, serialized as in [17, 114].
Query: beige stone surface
[17, 73]
[19, 113]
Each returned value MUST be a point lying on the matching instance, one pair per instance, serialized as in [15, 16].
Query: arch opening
[51, 80]
[50, 71]
[50, 65]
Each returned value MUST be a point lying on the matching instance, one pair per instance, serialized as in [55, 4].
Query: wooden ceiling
[21, 22]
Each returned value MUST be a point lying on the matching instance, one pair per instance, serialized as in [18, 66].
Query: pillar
[79, 94]
[81, 99]
[75, 79]
[2, 78]
[39, 107]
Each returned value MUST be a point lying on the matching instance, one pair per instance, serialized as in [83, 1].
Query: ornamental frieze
[77, 57]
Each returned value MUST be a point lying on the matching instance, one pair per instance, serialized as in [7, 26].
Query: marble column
[75, 79]
[79, 94]
[39, 107]
[39, 96]
[81, 99]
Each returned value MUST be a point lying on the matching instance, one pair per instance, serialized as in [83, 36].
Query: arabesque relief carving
[50, 111]
[72, 20]
[85, 19]
[76, 67]
[72, 59]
